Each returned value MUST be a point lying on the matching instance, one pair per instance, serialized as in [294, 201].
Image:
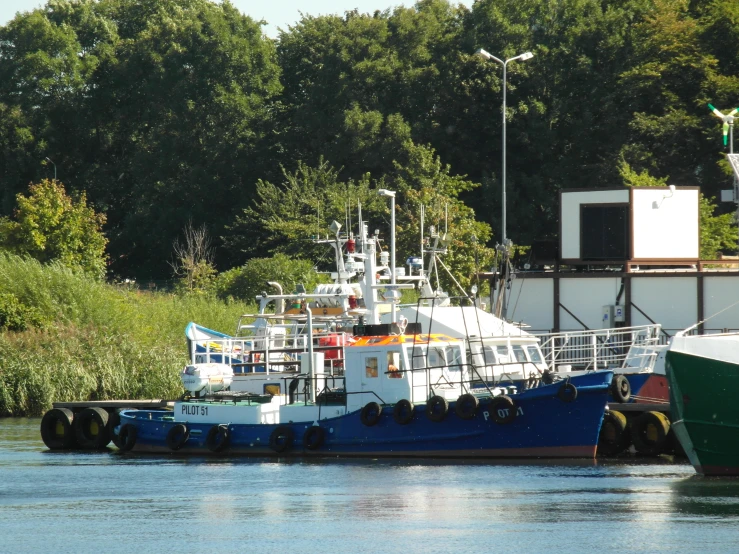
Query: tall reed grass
[100, 341]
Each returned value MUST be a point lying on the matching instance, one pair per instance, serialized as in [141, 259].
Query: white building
[626, 257]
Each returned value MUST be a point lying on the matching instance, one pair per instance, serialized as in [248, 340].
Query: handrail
[613, 347]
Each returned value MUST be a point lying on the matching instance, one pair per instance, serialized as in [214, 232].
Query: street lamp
[488, 56]
[391, 195]
[52, 163]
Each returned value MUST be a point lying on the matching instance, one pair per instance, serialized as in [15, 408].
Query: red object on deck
[331, 340]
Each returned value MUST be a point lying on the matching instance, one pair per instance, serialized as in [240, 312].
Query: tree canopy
[170, 112]
[50, 226]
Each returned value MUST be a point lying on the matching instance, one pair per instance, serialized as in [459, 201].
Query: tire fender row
[648, 432]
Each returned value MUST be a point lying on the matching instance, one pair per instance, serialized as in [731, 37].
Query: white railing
[634, 347]
[269, 353]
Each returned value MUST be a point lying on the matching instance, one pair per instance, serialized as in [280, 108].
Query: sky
[277, 13]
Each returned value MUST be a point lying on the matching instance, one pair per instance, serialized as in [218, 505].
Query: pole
[523, 57]
[736, 181]
[503, 234]
[392, 252]
[731, 137]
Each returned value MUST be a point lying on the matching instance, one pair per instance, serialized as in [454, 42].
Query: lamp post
[488, 56]
[52, 163]
[391, 195]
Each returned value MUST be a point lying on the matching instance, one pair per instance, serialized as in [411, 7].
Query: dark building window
[604, 232]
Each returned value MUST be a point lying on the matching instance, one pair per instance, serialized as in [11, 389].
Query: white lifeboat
[210, 376]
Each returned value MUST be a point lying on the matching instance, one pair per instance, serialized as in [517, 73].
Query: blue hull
[545, 426]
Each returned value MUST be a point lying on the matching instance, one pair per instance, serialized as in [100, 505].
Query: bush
[16, 316]
[50, 226]
[250, 280]
[105, 342]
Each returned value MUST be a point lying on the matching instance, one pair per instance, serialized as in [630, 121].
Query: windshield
[534, 354]
[484, 356]
[436, 356]
[519, 353]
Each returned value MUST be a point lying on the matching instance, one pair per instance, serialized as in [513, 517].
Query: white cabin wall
[353, 380]
[530, 301]
[585, 298]
[671, 302]
[665, 224]
[720, 293]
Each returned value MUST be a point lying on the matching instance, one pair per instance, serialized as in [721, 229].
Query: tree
[379, 64]
[49, 225]
[193, 260]
[665, 91]
[426, 183]
[160, 110]
[284, 217]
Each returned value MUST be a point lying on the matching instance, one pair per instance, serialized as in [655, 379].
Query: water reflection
[149, 503]
[706, 496]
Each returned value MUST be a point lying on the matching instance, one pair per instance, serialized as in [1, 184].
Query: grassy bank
[94, 341]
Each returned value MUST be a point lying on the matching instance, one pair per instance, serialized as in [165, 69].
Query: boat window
[394, 365]
[519, 353]
[484, 356]
[488, 353]
[502, 351]
[370, 367]
[436, 357]
[534, 354]
[453, 356]
[417, 357]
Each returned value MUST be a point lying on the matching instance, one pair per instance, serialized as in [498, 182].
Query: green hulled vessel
[703, 376]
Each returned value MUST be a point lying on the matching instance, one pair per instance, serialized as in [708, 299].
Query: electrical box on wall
[619, 314]
[607, 316]
[613, 315]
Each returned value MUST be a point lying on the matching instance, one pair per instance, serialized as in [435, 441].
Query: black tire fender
[436, 408]
[649, 433]
[313, 437]
[503, 409]
[56, 429]
[281, 438]
[218, 438]
[370, 414]
[177, 436]
[125, 440]
[620, 389]
[567, 392]
[91, 429]
[614, 436]
[466, 406]
[403, 412]
[114, 420]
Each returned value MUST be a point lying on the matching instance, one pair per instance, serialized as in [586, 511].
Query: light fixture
[671, 191]
[488, 56]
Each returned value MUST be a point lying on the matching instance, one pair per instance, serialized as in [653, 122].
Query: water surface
[109, 502]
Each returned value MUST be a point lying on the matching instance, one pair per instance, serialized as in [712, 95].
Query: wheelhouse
[390, 368]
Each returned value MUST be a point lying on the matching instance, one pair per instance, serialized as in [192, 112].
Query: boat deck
[116, 404]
